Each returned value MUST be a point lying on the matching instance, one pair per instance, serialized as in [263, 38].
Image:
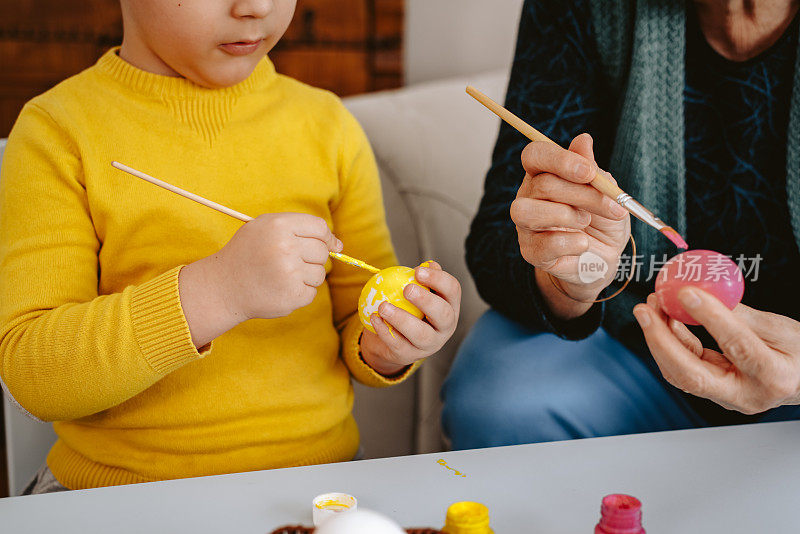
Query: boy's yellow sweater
[93, 335]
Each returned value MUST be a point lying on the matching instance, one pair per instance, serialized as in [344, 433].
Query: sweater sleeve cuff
[572, 329]
[351, 353]
[160, 326]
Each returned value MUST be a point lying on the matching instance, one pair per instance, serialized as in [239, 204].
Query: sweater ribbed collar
[205, 111]
[169, 87]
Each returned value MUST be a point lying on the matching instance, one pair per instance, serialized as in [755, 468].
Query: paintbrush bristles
[670, 233]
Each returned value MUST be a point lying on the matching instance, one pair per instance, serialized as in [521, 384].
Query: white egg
[359, 522]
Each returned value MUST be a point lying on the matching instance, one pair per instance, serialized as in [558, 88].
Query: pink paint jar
[620, 514]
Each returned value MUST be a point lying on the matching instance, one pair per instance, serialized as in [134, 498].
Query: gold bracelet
[554, 280]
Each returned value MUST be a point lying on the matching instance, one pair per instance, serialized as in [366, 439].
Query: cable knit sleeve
[556, 85]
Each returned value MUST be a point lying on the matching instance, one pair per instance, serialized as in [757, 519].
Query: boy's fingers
[314, 275]
[333, 243]
[438, 311]
[443, 283]
[419, 333]
[314, 251]
[737, 341]
[317, 228]
[396, 342]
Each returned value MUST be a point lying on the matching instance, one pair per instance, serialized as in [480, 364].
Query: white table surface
[743, 479]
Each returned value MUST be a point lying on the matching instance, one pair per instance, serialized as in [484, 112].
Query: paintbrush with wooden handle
[226, 210]
[600, 182]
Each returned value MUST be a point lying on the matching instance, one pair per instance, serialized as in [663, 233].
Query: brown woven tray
[309, 530]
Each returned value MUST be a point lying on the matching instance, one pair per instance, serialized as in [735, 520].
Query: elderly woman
[694, 107]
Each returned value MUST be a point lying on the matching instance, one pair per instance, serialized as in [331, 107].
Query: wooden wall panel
[344, 71]
[58, 19]
[330, 21]
[346, 46]
[45, 41]
[389, 20]
[328, 36]
[387, 62]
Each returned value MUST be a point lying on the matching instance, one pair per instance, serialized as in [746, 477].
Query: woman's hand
[759, 368]
[559, 217]
[412, 339]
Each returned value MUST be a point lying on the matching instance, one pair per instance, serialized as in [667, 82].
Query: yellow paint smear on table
[456, 472]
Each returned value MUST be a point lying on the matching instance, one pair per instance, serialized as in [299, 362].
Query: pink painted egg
[710, 271]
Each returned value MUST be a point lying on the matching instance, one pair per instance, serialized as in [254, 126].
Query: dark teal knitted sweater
[705, 143]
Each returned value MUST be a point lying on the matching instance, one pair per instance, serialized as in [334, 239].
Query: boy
[166, 340]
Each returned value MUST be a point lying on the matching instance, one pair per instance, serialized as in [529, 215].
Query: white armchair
[433, 144]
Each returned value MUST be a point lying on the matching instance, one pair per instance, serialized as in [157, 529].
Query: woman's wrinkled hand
[559, 216]
[758, 368]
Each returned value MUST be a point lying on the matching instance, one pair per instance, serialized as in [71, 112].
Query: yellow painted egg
[387, 285]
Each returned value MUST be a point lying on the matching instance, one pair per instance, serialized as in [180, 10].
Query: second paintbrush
[600, 182]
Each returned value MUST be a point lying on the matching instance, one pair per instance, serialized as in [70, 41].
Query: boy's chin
[219, 77]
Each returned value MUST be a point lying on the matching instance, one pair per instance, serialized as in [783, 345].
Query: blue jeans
[510, 385]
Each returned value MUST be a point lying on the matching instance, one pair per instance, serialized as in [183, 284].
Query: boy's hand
[274, 264]
[270, 267]
[388, 352]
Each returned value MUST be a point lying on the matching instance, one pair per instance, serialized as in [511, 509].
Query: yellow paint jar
[467, 518]
[329, 504]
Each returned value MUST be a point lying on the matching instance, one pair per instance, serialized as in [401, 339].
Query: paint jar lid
[329, 504]
[467, 518]
[620, 514]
